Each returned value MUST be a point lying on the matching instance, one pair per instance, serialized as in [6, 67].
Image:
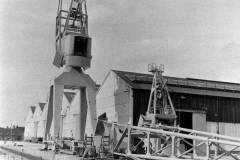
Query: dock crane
[160, 106]
[73, 54]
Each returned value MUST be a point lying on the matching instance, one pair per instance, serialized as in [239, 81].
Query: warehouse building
[70, 114]
[40, 120]
[35, 123]
[39, 123]
[29, 124]
[200, 104]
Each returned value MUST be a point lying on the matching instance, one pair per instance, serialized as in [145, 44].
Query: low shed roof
[183, 85]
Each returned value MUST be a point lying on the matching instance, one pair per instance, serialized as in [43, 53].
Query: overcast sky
[192, 38]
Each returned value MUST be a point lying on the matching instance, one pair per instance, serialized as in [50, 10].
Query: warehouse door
[185, 120]
[199, 121]
[200, 124]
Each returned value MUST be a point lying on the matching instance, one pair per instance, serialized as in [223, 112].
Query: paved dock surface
[5, 155]
[32, 151]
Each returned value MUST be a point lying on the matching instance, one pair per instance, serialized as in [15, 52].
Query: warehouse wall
[29, 123]
[105, 98]
[36, 119]
[199, 121]
[41, 128]
[222, 109]
[42, 123]
[229, 129]
[39, 122]
[69, 110]
[28, 132]
[218, 109]
[123, 101]
[115, 98]
[70, 114]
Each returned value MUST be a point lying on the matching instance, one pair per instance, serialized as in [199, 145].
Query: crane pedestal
[73, 79]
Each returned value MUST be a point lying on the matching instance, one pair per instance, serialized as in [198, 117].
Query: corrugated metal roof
[144, 81]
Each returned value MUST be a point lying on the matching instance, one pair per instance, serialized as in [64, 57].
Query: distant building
[36, 122]
[39, 120]
[200, 104]
[14, 133]
[18, 133]
[29, 124]
[40, 117]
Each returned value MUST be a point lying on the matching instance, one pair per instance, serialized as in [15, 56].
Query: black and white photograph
[119, 80]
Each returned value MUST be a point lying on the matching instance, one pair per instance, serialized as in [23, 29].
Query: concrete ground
[32, 151]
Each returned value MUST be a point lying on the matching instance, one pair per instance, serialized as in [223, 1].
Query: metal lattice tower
[160, 107]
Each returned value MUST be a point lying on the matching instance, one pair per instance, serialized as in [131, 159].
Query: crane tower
[160, 107]
[73, 54]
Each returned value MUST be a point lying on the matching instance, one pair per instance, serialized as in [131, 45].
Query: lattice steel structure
[170, 146]
[160, 107]
[73, 44]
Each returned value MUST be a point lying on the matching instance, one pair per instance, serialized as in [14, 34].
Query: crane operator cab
[73, 45]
